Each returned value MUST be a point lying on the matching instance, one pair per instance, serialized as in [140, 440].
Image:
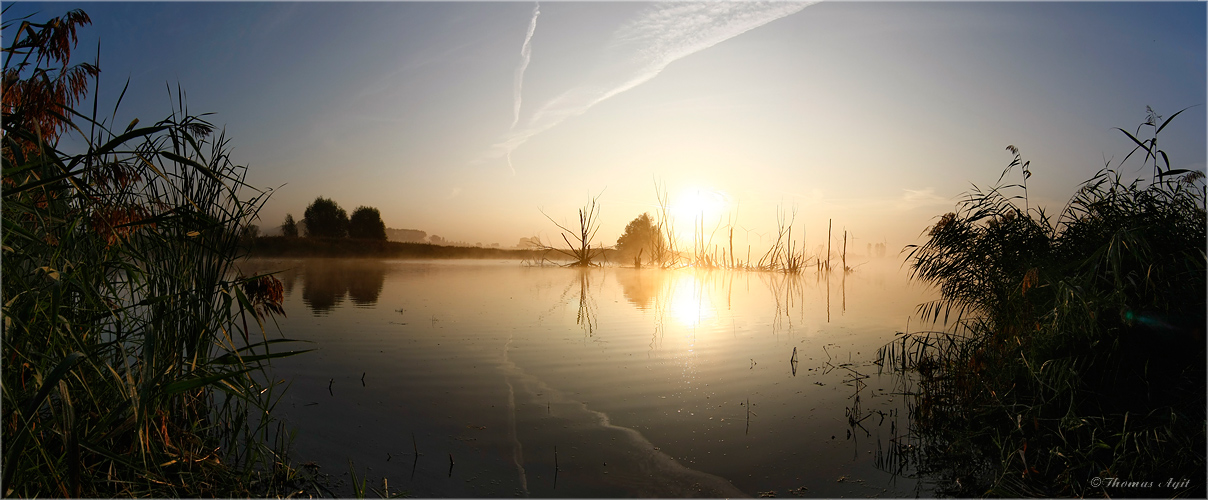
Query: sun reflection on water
[690, 305]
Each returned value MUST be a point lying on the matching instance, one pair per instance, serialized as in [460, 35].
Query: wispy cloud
[920, 198]
[526, 54]
[639, 51]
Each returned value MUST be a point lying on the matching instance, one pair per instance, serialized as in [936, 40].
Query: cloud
[639, 51]
[918, 198]
[526, 54]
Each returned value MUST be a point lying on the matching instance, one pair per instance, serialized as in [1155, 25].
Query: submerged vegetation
[134, 356]
[1075, 357]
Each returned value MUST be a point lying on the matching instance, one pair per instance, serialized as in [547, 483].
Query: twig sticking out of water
[329, 382]
[414, 446]
[748, 415]
[450, 464]
[362, 379]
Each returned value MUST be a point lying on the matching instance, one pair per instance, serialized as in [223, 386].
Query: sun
[696, 205]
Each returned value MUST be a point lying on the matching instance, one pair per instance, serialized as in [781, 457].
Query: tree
[325, 219]
[249, 233]
[366, 223]
[406, 235]
[641, 238]
[290, 228]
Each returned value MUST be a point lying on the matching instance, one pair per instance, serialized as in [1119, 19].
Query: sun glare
[690, 305]
[696, 204]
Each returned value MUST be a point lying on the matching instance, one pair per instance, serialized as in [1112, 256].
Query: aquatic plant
[1074, 351]
[665, 255]
[134, 356]
[580, 251]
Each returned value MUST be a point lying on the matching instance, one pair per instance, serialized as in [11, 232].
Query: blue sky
[876, 115]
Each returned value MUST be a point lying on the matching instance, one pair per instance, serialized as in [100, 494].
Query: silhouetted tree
[325, 219]
[641, 237]
[366, 223]
[406, 235]
[290, 228]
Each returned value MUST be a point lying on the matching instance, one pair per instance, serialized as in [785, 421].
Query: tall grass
[1075, 345]
[133, 357]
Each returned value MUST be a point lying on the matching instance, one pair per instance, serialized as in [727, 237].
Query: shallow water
[639, 379]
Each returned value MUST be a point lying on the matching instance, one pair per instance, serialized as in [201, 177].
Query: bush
[642, 238]
[1077, 347]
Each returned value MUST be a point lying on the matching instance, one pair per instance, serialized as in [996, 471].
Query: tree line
[325, 219]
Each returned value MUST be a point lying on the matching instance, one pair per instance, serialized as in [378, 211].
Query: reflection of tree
[365, 283]
[325, 283]
[288, 278]
[586, 318]
[642, 287]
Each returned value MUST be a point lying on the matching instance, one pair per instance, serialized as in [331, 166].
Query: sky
[473, 121]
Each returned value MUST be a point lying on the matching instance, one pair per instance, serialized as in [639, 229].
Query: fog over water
[639, 377]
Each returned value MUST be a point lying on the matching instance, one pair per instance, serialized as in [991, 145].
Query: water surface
[636, 382]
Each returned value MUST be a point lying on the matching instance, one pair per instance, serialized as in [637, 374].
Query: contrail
[526, 54]
[638, 52]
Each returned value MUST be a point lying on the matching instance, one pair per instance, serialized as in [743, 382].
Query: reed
[667, 255]
[580, 251]
[785, 255]
[134, 356]
[1074, 346]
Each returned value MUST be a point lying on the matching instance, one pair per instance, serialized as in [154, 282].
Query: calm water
[639, 379]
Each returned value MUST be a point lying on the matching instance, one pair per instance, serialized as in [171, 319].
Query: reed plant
[134, 357]
[785, 255]
[580, 251]
[1073, 353]
[665, 256]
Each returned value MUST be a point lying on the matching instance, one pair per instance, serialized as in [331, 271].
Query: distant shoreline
[280, 246]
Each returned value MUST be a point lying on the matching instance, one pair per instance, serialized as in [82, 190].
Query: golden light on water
[690, 305]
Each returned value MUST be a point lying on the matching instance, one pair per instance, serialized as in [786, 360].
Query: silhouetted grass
[1076, 349]
[133, 356]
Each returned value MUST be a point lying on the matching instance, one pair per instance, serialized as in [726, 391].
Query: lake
[513, 380]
